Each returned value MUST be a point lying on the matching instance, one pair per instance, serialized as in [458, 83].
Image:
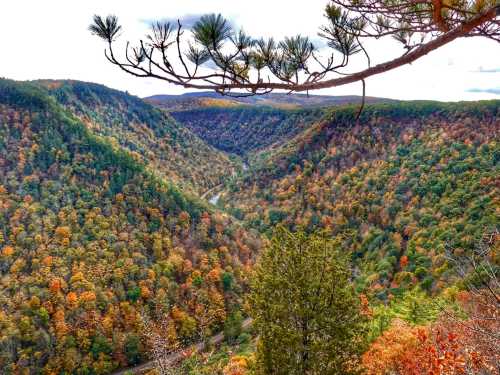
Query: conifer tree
[304, 307]
[241, 65]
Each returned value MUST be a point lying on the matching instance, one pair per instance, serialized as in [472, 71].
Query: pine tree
[304, 307]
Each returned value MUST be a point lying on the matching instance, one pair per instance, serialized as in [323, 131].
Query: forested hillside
[151, 135]
[92, 242]
[408, 182]
[243, 130]
[203, 99]
[102, 235]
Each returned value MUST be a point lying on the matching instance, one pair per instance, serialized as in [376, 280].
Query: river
[215, 199]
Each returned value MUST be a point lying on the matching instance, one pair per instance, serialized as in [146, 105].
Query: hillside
[91, 242]
[244, 130]
[408, 182]
[202, 99]
[101, 227]
[153, 136]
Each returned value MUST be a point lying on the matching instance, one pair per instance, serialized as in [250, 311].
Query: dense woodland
[403, 185]
[405, 188]
[242, 130]
[92, 242]
[150, 135]
[104, 237]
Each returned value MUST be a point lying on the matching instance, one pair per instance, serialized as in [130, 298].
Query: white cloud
[49, 39]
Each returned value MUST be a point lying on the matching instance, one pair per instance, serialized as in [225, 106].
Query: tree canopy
[241, 65]
[305, 311]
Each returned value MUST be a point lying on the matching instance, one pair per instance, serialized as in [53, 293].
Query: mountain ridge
[150, 134]
[203, 99]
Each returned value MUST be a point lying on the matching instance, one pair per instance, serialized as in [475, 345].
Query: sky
[50, 40]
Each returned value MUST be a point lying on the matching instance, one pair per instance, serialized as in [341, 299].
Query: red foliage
[403, 262]
[449, 347]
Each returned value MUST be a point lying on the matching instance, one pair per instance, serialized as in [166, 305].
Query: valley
[116, 211]
[250, 188]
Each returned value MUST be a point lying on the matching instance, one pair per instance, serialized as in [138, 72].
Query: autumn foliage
[90, 239]
[451, 345]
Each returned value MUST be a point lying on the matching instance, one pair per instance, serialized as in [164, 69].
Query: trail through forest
[179, 355]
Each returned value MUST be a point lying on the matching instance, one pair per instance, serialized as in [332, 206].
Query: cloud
[187, 21]
[82, 57]
[494, 90]
[489, 70]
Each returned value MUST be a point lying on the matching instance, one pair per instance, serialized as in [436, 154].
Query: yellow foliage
[87, 297]
[238, 365]
[63, 232]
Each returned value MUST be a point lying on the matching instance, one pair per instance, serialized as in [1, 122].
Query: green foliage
[106, 29]
[149, 134]
[409, 181]
[133, 349]
[227, 281]
[276, 216]
[305, 311]
[90, 239]
[414, 307]
[233, 326]
[100, 345]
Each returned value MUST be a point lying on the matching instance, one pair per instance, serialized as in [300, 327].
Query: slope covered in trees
[98, 244]
[243, 130]
[203, 99]
[91, 242]
[153, 136]
[408, 182]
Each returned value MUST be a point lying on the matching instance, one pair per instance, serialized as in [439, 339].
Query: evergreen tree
[233, 327]
[304, 307]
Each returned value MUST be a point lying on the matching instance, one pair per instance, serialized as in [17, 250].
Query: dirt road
[177, 356]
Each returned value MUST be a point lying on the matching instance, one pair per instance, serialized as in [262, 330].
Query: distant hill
[243, 130]
[192, 100]
[245, 125]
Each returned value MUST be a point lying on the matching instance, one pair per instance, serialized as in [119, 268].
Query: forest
[406, 190]
[108, 238]
[92, 242]
[250, 188]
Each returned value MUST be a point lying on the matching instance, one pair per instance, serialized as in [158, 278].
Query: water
[215, 199]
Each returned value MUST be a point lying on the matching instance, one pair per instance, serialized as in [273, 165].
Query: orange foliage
[60, 323]
[55, 285]
[448, 347]
[386, 352]
[71, 298]
[7, 251]
[237, 365]
[403, 262]
[63, 234]
[214, 275]
[145, 292]
[184, 217]
[47, 261]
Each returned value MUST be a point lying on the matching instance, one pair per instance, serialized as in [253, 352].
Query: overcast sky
[49, 39]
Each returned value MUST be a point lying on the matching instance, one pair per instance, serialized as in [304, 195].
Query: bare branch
[239, 61]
